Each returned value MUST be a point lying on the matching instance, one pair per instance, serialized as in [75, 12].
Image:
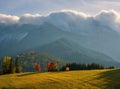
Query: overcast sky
[19, 7]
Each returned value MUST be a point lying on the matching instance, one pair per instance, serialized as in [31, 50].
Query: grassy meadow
[84, 79]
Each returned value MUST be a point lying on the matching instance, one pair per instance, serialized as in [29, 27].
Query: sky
[20, 7]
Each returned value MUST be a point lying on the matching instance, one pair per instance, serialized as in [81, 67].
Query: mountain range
[65, 35]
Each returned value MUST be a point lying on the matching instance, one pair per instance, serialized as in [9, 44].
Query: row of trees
[10, 65]
[51, 66]
[75, 66]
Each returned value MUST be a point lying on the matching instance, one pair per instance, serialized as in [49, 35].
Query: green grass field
[86, 79]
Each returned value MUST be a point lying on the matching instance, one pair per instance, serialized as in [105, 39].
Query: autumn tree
[52, 66]
[6, 64]
[48, 66]
[38, 67]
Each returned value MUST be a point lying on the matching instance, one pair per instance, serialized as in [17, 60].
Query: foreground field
[89, 79]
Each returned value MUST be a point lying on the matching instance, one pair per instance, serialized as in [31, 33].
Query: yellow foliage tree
[6, 64]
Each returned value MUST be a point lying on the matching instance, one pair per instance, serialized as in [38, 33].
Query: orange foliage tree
[38, 67]
[52, 66]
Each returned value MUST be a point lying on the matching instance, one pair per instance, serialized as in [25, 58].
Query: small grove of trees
[10, 66]
[51, 66]
[75, 66]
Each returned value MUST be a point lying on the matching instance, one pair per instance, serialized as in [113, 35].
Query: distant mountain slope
[70, 51]
[16, 39]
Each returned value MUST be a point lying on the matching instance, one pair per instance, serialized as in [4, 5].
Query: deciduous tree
[38, 67]
[52, 66]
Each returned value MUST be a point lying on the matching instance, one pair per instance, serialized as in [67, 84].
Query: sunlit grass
[89, 79]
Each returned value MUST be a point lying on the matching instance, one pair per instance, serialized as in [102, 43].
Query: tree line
[83, 66]
[10, 65]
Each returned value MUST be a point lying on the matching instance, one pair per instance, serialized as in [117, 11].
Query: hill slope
[91, 79]
[71, 51]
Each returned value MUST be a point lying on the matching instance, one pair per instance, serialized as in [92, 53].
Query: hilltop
[87, 79]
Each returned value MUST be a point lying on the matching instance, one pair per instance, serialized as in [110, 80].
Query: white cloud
[30, 18]
[68, 20]
[8, 19]
[108, 18]
[65, 19]
[81, 14]
[27, 15]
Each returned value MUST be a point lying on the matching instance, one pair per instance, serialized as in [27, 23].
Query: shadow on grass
[111, 78]
[26, 74]
[32, 73]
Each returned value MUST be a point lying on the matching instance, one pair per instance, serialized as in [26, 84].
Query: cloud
[8, 19]
[68, 20]
[61, 18]
[31, 15]
[65, 19]
[108, 18]
[30, 19]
